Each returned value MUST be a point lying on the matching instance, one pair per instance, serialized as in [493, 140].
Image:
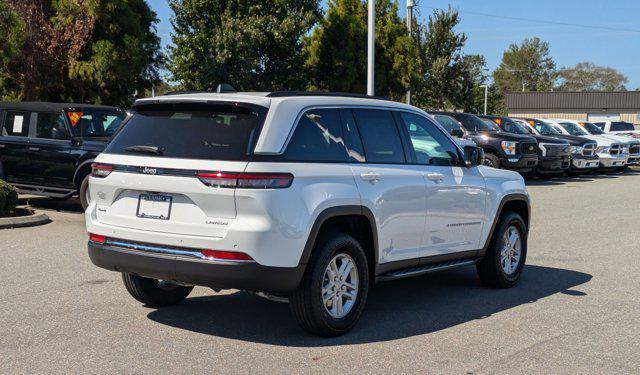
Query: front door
[455, 195]
[388, 185]
[53, 163]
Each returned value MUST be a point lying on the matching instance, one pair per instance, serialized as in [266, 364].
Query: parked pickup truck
[583, 150]
[554, 155]
[619, 128]
[632, 144]
[501, 149]
[47, 148]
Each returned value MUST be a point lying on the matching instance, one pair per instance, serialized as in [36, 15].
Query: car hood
[602, 140]
[621, 139]
[504, 136]
[551, 140]
[572, 139]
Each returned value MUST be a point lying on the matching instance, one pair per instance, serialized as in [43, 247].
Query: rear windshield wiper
[144, 149]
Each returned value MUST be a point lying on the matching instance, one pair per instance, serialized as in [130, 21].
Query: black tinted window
[447, 122]
[50, 126]
[473, 123]
[430, 145]
[622, 126]
[16, 123]
[317, 137]
[191, 131]
[380, 136]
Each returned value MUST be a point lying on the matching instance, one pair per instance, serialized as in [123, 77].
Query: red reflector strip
[97, 238]
[101, 170]
[246, 180]
[225, 255]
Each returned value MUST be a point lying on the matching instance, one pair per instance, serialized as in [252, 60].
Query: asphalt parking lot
[575, 310]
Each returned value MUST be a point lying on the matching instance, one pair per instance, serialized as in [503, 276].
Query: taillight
[246, 180]
[97, 238]
[100, 170]
[226, 256]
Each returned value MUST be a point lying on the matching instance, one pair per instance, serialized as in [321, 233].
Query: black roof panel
[48, 106]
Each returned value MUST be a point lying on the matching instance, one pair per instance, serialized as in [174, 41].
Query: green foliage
[8, 198]
[337, 50]
[83, 50]
[12, 36]
[527, 64]
[586, 76]
[252, 45]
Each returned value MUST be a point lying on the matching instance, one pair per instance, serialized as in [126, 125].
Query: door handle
[34, 148]
[370, 176]
[437, 177]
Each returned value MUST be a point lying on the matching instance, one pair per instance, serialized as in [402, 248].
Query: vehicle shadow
[49, 204]
[395, 310]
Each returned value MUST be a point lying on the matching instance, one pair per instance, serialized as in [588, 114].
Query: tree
[337, 50]
[449, 79]
[252, 45]
[82, 50]
[526, 65]
[586, 76]
[12, 35]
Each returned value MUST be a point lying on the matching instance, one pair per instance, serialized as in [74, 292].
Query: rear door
[14, 146]
[173, 167]
[455, 195]
[393, 189]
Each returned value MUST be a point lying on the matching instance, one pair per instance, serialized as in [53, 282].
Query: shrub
[8, 198]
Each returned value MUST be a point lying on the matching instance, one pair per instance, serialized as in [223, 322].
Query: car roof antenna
[225, 88]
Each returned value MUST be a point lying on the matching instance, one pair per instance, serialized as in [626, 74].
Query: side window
[16, 124]
[352, 139]
[380, 136]
[50, 126]
[431, 146]
[317, 137]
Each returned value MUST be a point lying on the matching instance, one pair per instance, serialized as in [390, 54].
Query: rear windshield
[191, 131]
[95, 122]
[622, 126]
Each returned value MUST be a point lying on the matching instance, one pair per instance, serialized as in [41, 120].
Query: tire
[83, 193]
[154, 293]
[490, 160]
[306, 302]
[490, 268]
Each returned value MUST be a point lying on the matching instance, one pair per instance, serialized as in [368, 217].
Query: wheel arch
[518, 203]
[81, 171]
[357, 221]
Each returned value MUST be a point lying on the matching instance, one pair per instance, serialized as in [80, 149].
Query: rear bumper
[554, 164]
[519, 163]
[222, 275]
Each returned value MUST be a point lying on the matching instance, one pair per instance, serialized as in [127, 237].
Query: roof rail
[182, 92]
[222, 88]
[282, 94]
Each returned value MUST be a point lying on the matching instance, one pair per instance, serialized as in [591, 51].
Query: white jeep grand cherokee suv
[310, 197]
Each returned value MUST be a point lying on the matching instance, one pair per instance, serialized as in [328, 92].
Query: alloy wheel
[511, 250]
[340, 286]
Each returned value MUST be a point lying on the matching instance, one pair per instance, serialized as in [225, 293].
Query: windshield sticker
[17, 124]
[74, 117]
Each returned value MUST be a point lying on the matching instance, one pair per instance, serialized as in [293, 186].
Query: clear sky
[605, 32]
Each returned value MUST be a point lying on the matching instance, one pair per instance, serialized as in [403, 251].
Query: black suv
[501, 150]
[47, 148]
[554, 155]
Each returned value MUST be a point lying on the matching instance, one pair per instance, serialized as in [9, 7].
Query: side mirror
[458, 133]
[60, 133]
[473, 156]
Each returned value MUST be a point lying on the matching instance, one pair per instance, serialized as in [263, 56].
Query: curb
[24, 221]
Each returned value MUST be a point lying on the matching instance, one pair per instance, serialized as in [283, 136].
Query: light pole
[371, 43]
[410, 5]
[486, 94]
